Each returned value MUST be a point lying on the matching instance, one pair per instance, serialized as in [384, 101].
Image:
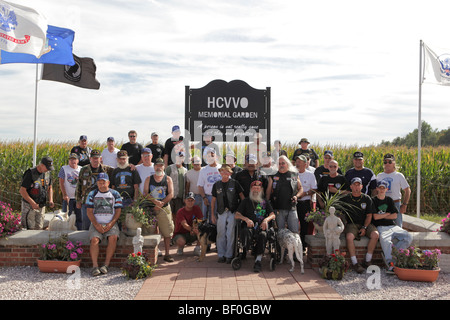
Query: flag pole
[419, 132]
[35, 116]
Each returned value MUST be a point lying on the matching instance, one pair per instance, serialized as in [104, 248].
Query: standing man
[158, 189]
[251, 173]
[35, 189]
[156, 147]
[133, 149]
[192, 179]
[257, 147]
[334, 182]
[125, 180]
[87, 182]
[68, 178]
[82, 150]
[324, 169]
[104, 206]
[230, 159]
[284, 190]
[225, 199]
[109, 154]
[206, 179]
[304, 203]
[359, 217]
[368, 178]
[304, 143]
[146, 168]
[397, 183]
[178, 173]
[174, 142]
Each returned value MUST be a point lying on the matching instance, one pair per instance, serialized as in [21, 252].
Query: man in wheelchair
[257, 213]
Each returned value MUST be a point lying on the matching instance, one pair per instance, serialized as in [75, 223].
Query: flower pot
[131, 225]
[146, 230]
[56, 266]
[417, 274]
[319, 230]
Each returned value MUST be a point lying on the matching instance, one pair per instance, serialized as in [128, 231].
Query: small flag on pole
[22, 29]
[81, 74]
[437, 66]
[58, 49]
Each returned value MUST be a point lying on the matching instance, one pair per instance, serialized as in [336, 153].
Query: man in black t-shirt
[384, 220]
[304, 150]
[332, 183]
[324, 169]
[359, 211]
[156, 147]
[133, 149]
[125, 180]
[35, 189]
[257, 214]
[83, 151]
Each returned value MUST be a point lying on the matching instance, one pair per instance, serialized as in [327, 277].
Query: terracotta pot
[417, 274]
[53, 266]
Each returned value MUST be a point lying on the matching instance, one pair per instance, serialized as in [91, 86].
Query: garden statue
[332, 229]
[138, 241]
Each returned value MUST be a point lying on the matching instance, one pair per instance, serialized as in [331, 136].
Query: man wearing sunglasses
[396, 183]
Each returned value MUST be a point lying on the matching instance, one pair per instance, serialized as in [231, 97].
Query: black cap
[48, 162]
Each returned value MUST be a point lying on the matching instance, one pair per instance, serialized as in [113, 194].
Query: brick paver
[187, 279]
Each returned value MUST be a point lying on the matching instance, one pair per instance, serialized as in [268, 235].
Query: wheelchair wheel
[236, 263]
[273, 264]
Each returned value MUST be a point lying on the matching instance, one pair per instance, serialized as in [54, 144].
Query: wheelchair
[241, 248]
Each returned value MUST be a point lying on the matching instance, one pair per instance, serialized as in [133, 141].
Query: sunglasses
[132, 136]
[387, 161]
[333, 166]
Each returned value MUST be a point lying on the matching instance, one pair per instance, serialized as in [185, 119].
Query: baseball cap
[175, 128]
[74, 156]
[159, 161]
[190, 195]
[154, 134]
[147, 150]
[48, 162]
[328, 152]
[356, 179]
[358, 155]
[95, 153]
[251, 158]
[196, 160]
[83, 137]
[389, 156]
[122, 154]
[103, 176]
[383, 183]
[110, 139]
[302, 157]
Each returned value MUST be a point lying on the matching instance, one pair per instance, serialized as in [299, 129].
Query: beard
[159, 173]
[123, 166]
[256, 196]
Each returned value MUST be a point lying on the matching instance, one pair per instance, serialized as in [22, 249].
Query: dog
[62, 222]
[292, 242]
[207, 234]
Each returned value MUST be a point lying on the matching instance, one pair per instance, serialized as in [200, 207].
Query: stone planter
[56, 266]
[148, 230]
[131, 225]
[417, 274]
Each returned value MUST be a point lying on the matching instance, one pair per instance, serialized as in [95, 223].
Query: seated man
[103, 210]
[384, 220]
[256, 213]
[359, 217]
[184, 231]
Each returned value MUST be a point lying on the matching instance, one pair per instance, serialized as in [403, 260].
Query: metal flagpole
[35, 116]
[419, 132]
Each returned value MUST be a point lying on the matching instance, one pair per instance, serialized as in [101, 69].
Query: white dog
[62, 222]
[291, 241]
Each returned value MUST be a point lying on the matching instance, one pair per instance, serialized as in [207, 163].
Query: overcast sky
[340, 72]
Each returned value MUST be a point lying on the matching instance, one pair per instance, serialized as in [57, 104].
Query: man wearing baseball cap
[104, 206]
[82, 150]
[171, 144]
[68, 178]
[36, 189]
[156, 148]
[304, 143]
[125, 180]
[109, 154]
[368, 178]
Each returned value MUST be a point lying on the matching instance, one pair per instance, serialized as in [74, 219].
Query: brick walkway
[187, 279]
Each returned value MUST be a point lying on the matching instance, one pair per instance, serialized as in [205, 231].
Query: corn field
[17, 156]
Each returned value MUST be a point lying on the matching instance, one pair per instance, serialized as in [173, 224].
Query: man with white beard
[158, 189]
[256, 212]
[125, 180]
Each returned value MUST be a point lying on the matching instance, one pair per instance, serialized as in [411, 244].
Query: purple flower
[80, 250]
[73, 256]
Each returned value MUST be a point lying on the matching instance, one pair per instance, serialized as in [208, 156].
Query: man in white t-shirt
[146, 168]
[68, 178]
[109, 154]
[305, 201]
[104, 206]
[397, 183]
[192, 179]
[206, 179]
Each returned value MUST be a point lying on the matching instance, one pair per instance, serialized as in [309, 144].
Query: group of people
[179, 188]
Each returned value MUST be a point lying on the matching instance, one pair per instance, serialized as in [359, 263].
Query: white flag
[22, 29]
[437, 66]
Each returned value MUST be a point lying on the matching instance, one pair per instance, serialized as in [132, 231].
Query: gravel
[28, 283]
[363, 287]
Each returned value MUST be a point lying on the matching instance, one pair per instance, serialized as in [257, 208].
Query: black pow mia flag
[81, 74]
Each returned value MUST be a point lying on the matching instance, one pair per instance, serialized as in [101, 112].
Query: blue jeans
[393, 236]
[206, 210]
[72, 207]
[225, 234]
[86, 223]
[399, 220]
[287, 216]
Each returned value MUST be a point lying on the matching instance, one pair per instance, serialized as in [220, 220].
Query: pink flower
[73, 255]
